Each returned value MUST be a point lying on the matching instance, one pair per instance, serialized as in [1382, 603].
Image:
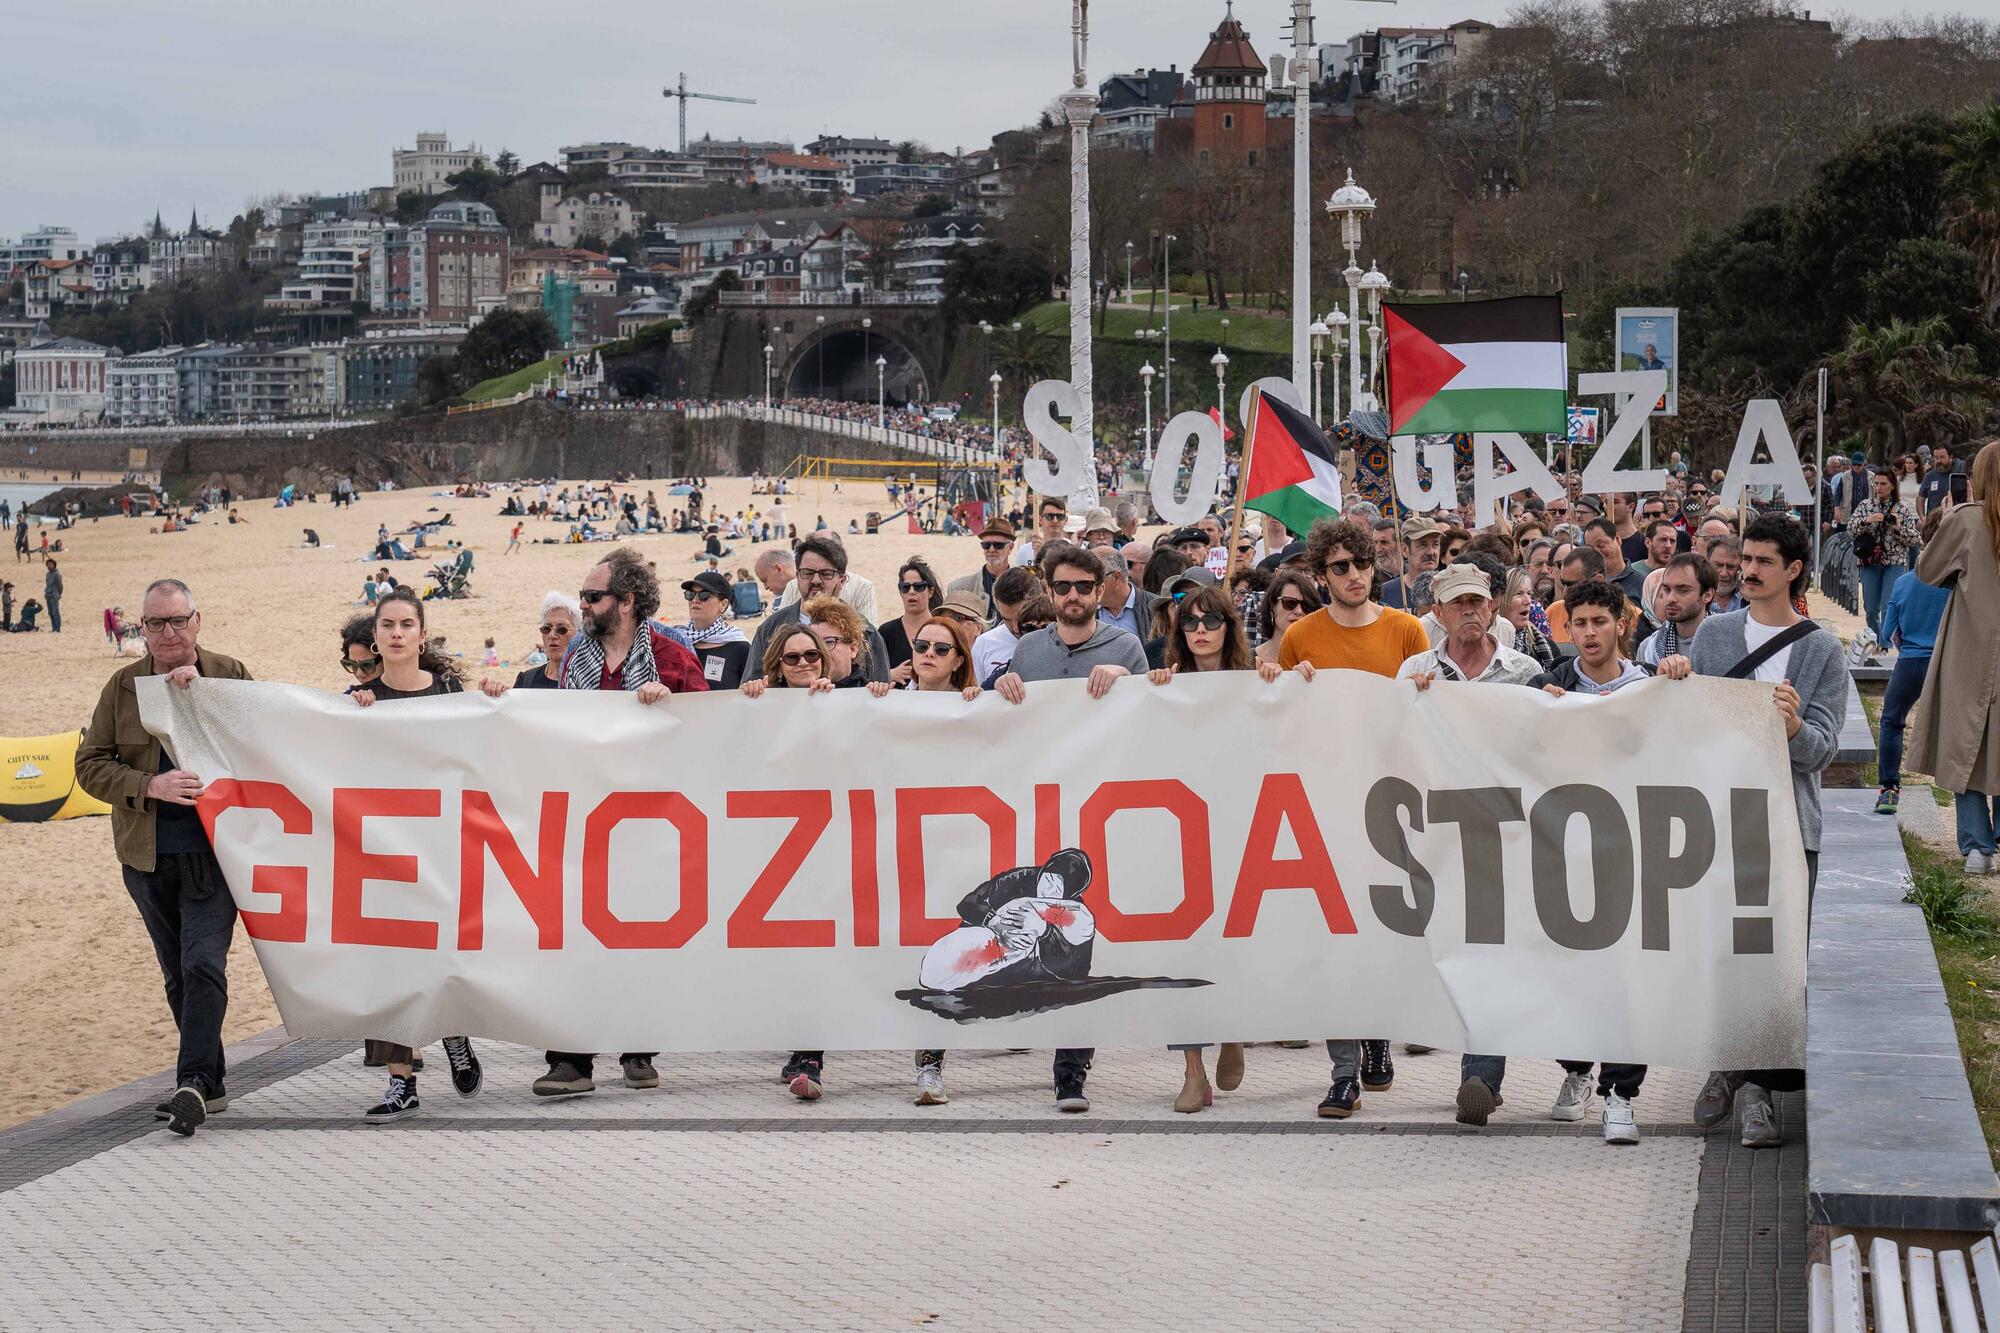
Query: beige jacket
[1955, 732]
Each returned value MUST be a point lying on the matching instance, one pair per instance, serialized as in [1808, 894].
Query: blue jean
[1906, 686]
[1488, 1069]
[1977, 814]
[1876, 581]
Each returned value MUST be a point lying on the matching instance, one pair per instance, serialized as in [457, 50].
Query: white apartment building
[64, 377]
[659, 168]
[802, 171]
[567, 220]
[41, 243]
[333, 267]
[425, 167]
[144, 389]
[853, 152]
[193, 251]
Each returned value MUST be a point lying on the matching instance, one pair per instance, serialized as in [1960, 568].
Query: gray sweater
[1043, 656]
[1818, 673]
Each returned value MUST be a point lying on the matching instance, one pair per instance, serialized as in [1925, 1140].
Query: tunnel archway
[840, 364]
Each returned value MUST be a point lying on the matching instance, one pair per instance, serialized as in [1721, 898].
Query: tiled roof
[1229, 52]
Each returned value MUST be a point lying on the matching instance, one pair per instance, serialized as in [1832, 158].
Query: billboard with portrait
[1650, 339]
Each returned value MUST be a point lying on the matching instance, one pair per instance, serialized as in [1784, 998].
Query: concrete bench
[1894, 1141]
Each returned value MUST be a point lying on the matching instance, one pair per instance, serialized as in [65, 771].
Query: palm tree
[1974, 221]
[1905, 383]
[1026, 355]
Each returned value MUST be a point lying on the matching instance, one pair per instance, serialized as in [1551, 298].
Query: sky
[205, 104]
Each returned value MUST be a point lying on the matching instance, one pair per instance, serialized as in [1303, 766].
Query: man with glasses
[169, 868]
[822, 565]
[1077, 647]
[1124, 604]
[1051, 517]
[1639, 547]
[1352, 631]
[857, 591]
[996, 550]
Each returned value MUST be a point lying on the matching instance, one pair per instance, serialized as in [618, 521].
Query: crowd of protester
[1577, 597]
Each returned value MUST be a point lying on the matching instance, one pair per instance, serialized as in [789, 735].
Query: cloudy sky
[204, 104]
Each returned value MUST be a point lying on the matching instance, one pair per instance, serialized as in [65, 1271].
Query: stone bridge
[827, 351]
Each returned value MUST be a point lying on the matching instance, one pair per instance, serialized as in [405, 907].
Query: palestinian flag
[1294, 473]
[1477, 366]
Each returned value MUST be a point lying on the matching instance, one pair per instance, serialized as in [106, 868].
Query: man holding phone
[1934, 491]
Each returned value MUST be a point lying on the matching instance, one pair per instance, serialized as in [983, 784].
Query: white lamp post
[1079, 108]
[1167, 327]
[994, 380]
[1225, 330]
[1318, 334]
[1374, 283]
[1128, 271]
[1221, 363]
[882, 392]
[768, 351]
[1351, 204]
[1301, 79]
[1337, 331]
[866, 324]
[1146, 373]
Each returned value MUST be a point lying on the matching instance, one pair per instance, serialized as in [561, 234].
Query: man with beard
[1077, 647]
[1352, 631]
[996, 549]
[1685, 590]
[1725, 557]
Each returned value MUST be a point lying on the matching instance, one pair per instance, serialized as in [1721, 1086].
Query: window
[1204, 157]
[1253, 157]
[1229, 122]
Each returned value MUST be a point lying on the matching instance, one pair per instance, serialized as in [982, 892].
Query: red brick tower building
[1229, 99]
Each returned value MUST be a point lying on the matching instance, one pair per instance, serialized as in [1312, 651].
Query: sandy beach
[76, 968]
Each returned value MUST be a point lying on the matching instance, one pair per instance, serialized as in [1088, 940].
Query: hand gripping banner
[1479, 867]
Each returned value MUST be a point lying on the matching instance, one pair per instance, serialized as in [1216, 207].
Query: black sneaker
[400, 1100]
[1378, 1071]
[792, 1067]
[186, 1109]
[1069, 1095]
[465, 1071]
[1340, 1099]
[218, 1102]
[805, 1080]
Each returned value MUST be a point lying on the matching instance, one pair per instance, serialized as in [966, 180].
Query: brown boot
[1229, 1066]
[1195, 1093]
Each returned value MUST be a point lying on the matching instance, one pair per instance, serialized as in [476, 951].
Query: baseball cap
[708, 581]
[1459, 580]
[966, 605]
[1195, 576]
[998, 527]
[1414, 528]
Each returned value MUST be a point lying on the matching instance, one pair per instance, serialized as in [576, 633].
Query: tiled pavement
[718, 1201]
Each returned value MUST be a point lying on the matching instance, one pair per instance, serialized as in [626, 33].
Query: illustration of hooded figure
[1024, 927]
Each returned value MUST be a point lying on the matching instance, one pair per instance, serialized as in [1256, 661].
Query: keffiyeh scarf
[583, 669]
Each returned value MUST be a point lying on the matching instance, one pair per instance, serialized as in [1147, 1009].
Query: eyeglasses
[592, 596]
[154, 624]
[933, 648]
[1206, 620]
[355, 667]
[1064, 587]
[908, 589]
[826, 575]
[1339, 568]
[995, 546]
[807, 657]
[1292, 604]
[559, 630]
[834, 640]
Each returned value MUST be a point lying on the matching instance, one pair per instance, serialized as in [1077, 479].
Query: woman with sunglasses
[357, 651]
[1207, 636]
[409, 668]
[795, 659]
[921, 594]
[940, 663]
[1291, 596]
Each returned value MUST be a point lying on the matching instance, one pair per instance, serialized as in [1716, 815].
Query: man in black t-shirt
[1935, 488]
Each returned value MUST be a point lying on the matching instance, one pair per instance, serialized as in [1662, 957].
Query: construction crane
[683, 94]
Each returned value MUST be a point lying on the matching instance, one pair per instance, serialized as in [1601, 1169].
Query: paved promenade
[717, 1201]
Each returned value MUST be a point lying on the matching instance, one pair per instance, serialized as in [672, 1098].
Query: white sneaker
[1619, 1127]
[930, 1086]
[1573, 1100]
[1978, 863]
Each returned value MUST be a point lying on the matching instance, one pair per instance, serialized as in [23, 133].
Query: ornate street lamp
[1318, 334]
[1146, 373]
[1351, 204]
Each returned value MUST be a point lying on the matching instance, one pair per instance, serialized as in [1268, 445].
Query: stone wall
[531, 439]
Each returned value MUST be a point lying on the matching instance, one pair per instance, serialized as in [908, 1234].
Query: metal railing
[971, 454]
[841, 298]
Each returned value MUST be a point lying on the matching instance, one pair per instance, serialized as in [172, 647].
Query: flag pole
[1242, 481]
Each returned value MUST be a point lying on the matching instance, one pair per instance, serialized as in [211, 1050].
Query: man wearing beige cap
[996, 548]
[1470, 651]
[1099, 530]
[1421, 540]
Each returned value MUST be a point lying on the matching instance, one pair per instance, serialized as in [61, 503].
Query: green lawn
[506, 386]
[1255, 331]
[1959, 910]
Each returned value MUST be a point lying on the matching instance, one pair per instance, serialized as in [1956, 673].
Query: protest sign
[1219, 858]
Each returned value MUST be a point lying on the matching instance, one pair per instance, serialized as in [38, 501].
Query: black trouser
[582, 1059]
[1788, 1080]
[1621, 1079]
[191, 918]
[1073, 1062]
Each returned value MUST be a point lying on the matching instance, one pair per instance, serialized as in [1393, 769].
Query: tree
[507, 163]
[476, 183]
[1025, 355]
[931, 206]
[588, 174]
[704, 301]
[994, 282]
[437, 380]
[409, 205]
[502, 343]
[879, 237]
[909, 150]
[7, 385]
[1903, 385]
[1975, 214]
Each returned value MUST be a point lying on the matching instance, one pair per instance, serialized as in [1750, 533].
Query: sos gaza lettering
[1194, 440]
[1633, 865]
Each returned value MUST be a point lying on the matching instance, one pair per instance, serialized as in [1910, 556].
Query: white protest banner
[1478, 868]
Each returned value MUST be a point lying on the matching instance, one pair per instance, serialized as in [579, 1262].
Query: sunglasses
[806, 657]
[909, 588]
[1206, 620]
[553, 628]
[1339, 568]
[702, 595]
[1064, 587]
[592, 596]
[1292, 604]
[933, 648]
[996, 546]
[353, 667]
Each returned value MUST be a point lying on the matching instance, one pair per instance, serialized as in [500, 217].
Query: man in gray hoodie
[1077, 647]
[1770, 641]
